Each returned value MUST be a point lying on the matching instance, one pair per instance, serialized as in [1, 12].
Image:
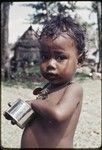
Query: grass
[26, 83]
[81, 77]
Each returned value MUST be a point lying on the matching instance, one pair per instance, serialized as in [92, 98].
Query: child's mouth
[51, 76]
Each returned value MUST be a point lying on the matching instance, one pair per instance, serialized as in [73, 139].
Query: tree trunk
[5, 65]
[99, 34]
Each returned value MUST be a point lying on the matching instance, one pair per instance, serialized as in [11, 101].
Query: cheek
[70, 67]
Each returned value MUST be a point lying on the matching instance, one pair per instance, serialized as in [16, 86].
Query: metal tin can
[20, 113]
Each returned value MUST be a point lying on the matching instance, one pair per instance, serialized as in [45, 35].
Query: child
[59, 103]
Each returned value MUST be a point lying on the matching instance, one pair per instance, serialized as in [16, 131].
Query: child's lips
[51, 75]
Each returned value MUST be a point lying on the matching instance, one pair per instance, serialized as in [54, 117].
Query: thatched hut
[26, 48]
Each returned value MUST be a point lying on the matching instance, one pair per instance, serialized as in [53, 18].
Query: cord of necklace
[44, 93]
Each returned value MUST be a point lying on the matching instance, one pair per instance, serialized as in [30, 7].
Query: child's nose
[51, 64]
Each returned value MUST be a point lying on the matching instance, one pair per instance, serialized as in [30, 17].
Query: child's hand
[29, 102]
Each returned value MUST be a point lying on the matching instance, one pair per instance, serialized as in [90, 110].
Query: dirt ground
[88, 133]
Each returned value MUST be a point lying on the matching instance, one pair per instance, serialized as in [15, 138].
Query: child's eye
[61, 58]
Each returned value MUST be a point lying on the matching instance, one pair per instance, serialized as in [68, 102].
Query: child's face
[58, 59]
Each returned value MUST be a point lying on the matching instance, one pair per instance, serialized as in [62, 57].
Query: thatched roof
[28, 40]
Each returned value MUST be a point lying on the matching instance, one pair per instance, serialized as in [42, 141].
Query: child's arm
[65, 107]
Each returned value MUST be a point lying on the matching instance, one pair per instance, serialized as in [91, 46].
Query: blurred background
[21, 24]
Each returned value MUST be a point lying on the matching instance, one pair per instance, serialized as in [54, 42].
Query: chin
[58, 82]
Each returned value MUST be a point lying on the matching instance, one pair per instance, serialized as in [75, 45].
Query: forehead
[61, 43]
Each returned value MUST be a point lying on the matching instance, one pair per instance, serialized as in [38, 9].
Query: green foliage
[86, 24]
[30, 78]
[26, 84]
[81, 77]
[94, 6]
[31, 73]
[45, 10]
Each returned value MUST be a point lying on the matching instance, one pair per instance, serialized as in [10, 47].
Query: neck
[54, 87]
[51, 88]
[60, 84]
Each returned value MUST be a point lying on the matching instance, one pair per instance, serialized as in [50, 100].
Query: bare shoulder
[73, 93]
[74, 90]
[76, 87]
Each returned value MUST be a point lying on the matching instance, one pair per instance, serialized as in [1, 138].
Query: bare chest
[54, 97]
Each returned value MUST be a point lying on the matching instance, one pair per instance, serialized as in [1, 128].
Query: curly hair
[59, 25]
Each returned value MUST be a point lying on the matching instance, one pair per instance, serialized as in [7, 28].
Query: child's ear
[81, 58]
